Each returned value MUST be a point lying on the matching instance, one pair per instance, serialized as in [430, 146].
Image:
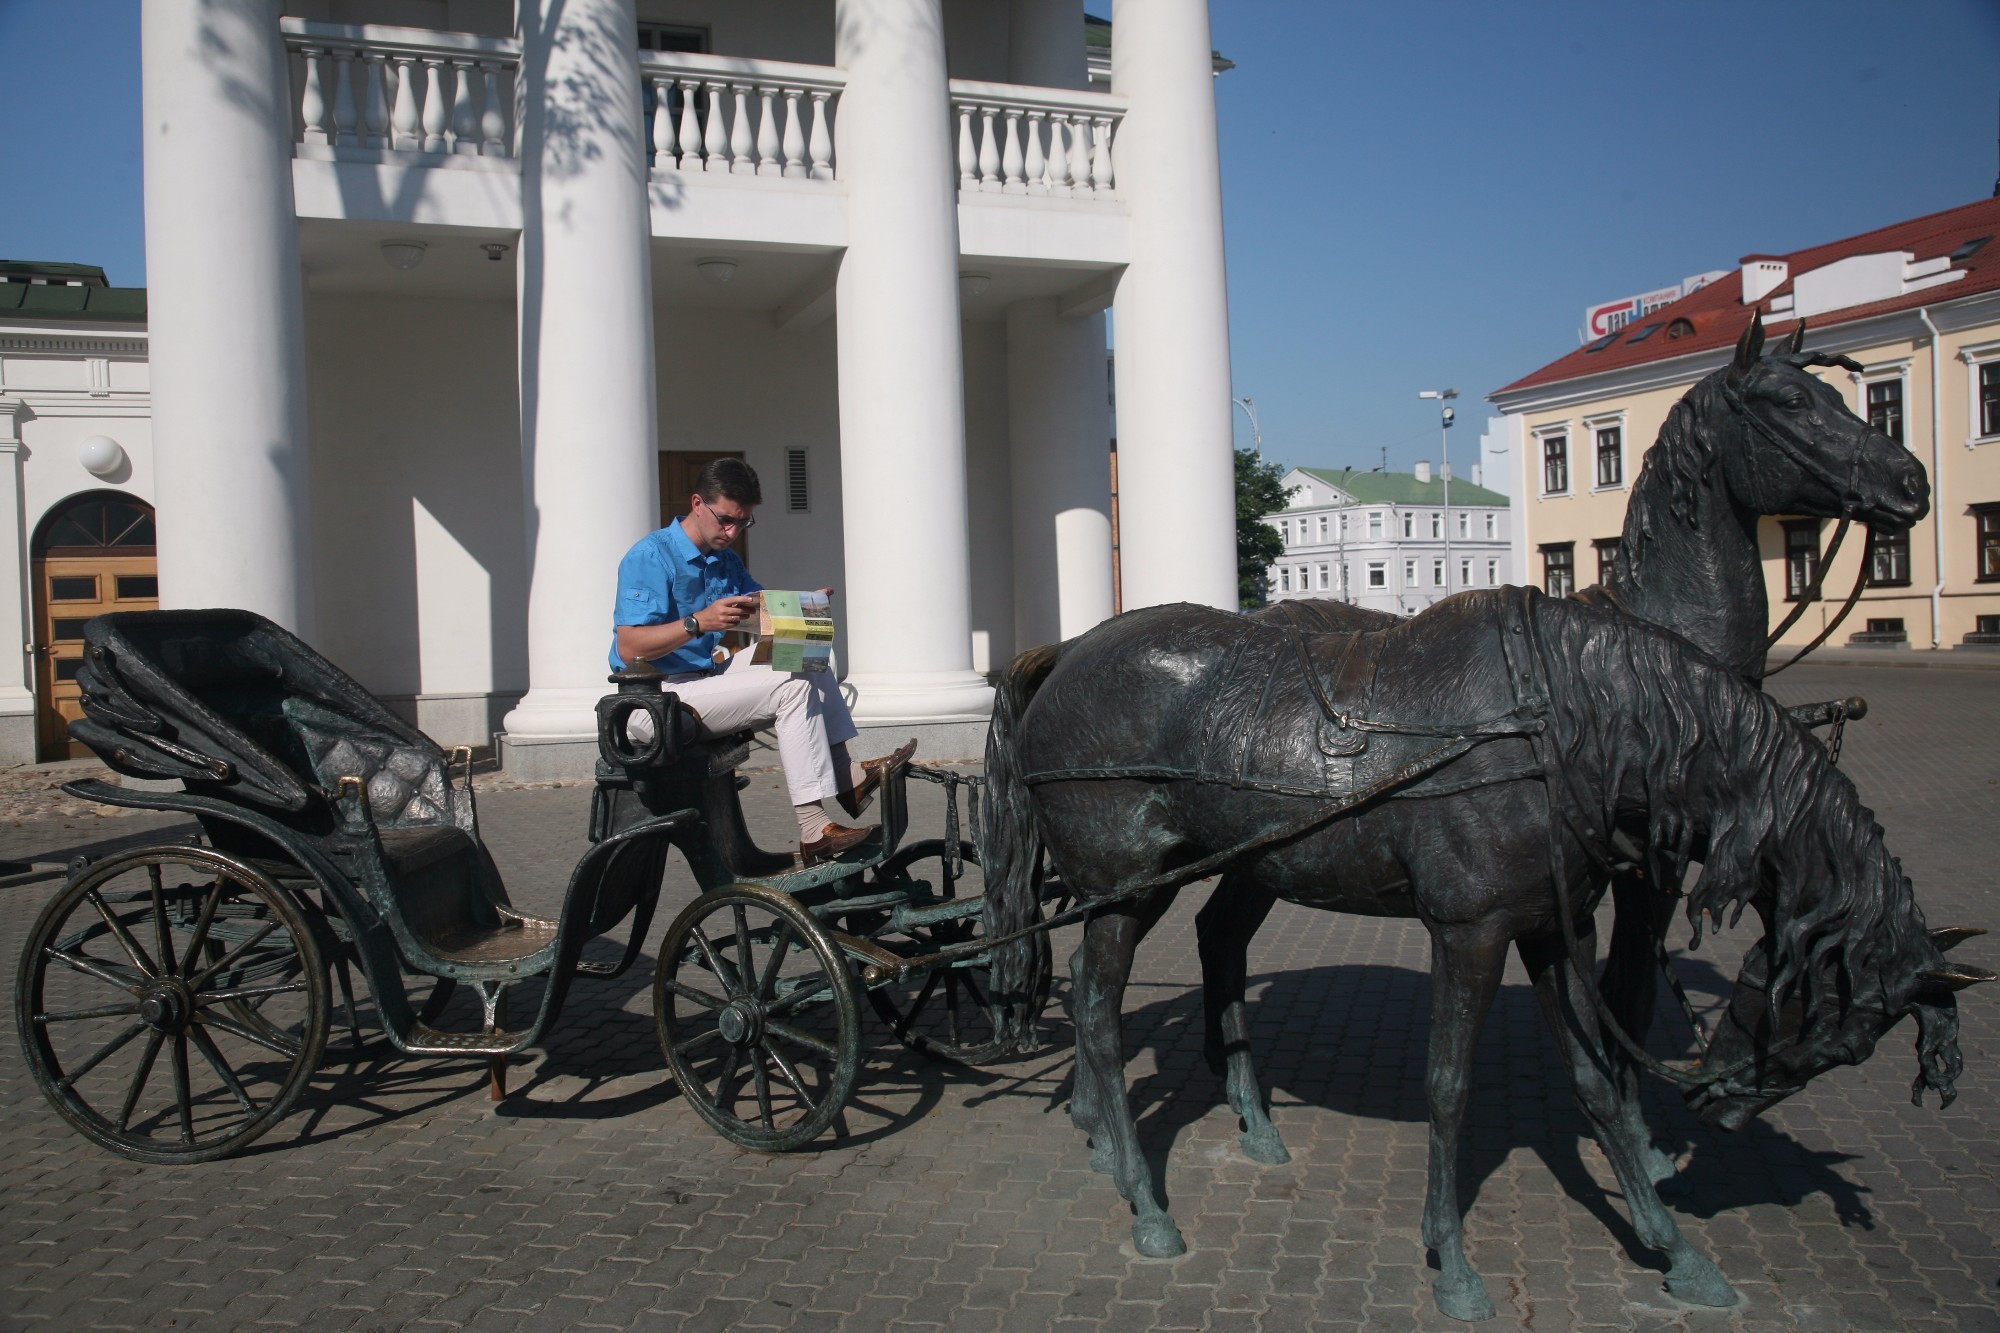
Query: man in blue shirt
[678, 589]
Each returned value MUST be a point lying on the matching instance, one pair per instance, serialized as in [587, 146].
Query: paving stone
[397, 1197]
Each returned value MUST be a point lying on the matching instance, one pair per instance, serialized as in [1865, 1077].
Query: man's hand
[726, 613]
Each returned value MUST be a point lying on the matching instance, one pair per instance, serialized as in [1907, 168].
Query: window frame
[1808, 569]
[1897, 547]
[1378, 574]
[1410, 572]
[1980, 359]
[1558, 440]
[1558, 557]
[1865, 385]
[1606, 551]
[1492, 571]
[1375, 525]
[1597, 428]
[1985, 538]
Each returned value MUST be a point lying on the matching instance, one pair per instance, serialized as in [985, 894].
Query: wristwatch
[692, 626]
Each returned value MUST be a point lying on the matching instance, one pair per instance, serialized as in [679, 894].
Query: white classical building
[1390, 541]
[449, 299]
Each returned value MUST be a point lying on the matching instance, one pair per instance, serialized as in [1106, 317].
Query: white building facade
[449, 298]
[1389, 541]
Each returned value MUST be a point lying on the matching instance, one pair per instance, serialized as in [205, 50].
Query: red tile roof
[1717, 315]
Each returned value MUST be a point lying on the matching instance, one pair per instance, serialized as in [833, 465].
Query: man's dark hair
[729, 479]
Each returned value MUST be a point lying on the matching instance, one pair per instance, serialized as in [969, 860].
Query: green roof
[72, 302]
[1403, 488]
[1097, 42]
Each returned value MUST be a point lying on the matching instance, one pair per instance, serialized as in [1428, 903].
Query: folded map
[794, 631]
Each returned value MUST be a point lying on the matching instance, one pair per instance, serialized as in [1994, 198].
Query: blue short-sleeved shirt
[664, 578]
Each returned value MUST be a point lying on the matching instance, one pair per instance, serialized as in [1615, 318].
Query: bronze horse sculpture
[1469, 768]
[1760, 436]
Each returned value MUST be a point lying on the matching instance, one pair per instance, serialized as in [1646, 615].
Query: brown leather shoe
[855, 800]
[834, 841]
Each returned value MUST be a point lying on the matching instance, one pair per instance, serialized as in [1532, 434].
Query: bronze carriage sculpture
[174, 1001]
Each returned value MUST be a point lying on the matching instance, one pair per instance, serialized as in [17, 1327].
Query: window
[1989, 398]
[1437, 574]
[1607, 556]
[1611, 456]
[1801, 557]
[1323, 574]
[1343, 527]
[1375, 524]
[1285, 531]
[1285, 579]
[1492, 573]
[1489, 525]
[1322, 527]
[1409, 573]
[1885, 407]
[1887, 625]
[1888, 559]
[1437, 525]
[1464, 524]
[1409, 525]
[1378, 573]
[1555, 464]
[1986, 524]
[1465, 573]
[1305, 579]
[1559, 569]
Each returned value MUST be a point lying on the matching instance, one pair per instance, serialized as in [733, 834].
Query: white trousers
[805, 708]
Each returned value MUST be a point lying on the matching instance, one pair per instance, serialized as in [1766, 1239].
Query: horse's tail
[1011, 850]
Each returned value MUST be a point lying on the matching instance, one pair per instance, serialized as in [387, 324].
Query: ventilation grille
[798, 493]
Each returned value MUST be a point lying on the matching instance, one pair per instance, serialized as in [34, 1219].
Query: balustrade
[1020, 140]
[437, 96]
[740, 117]
[405, 90]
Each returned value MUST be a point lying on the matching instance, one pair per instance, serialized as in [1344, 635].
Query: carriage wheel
[172, 1004]
[946, 1013]
[758, 1016]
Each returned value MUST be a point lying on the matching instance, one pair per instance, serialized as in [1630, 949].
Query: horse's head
[1764, 1050]
[1798, 450]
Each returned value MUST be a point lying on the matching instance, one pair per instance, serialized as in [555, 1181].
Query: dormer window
[1680, 328]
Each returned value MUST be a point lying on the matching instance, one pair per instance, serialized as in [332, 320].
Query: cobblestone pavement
[397, 1195]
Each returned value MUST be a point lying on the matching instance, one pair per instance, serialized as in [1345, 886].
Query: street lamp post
[1249, 406]
[1445, 418]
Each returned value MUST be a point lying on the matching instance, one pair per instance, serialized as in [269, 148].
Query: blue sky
[1417, 195]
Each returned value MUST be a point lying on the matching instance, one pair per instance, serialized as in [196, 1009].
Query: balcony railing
[1014, 139]
[372, 93]
[366, 90]
[740, 117]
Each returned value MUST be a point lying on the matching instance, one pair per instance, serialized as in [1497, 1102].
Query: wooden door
[678, 470]
[91, 555]
[69, 591]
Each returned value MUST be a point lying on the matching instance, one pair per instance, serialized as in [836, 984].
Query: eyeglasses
[736, 522]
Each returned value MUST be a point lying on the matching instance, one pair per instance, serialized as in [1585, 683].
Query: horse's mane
[1785, 830]
[1674, 474]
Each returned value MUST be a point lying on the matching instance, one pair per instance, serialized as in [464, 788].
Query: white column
[1059, 426]
[589, 435]
[1045, 44]
[1176, 474]
[225, 308]
[17, 685]
[902, 389]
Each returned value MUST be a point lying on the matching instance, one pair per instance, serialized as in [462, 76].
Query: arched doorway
[91, 554]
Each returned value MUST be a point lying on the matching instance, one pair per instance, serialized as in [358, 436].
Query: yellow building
[1917, 304]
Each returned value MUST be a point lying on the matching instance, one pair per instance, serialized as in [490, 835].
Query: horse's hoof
[1158, 1238]
[1264, 1145]
[1698, 1281]
[1463, 1298]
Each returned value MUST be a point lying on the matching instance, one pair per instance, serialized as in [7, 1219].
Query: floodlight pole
[1445, 417]
[1249, 406]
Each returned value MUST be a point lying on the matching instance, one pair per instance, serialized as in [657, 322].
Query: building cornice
[1895, 326]
[73, 344]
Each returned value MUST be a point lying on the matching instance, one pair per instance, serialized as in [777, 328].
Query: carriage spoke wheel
[948, 1012]
[758, 1016]
[172, 1004]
